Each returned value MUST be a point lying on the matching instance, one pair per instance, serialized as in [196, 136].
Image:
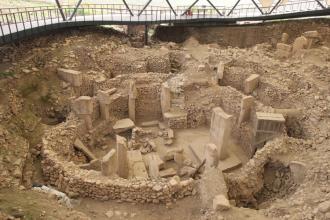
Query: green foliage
[6, 74]
[29, 88]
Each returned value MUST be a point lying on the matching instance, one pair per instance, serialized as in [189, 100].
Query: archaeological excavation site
[186, 122]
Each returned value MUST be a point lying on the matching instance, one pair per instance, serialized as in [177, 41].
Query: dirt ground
[33, 98]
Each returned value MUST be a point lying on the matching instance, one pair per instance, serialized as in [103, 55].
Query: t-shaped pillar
[104, 98]
[83, 107]
[221, 125]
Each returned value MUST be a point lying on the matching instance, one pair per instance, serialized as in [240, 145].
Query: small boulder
[221, 203]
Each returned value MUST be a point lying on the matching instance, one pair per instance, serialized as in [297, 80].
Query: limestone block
[83, 105]
[251, 83]
[153, 169]
[80, 146]
[299, 44]
[165, 98]
[71, 76]
[246, 106]
[167, 173]
[105, 111]
[220, 70]
[169, 154]
[175, 182]
[122, 159]
[150, 123]
[311, 34]
[220, 203]
[104, 97]
[92, 165]
[298, 170]
[312, 38]
[109, 163]
[170, 133]
[221, 125]
[267, 126]
[88, 120]
[153, 156]
[289, 112]
[137, 166]
[132, 95]
[123, 125]
[284, 38]
[131, 109]
[132, 91]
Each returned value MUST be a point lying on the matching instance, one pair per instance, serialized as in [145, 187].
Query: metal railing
[20, 22]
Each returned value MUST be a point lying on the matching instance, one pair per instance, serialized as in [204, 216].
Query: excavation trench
[108, 121]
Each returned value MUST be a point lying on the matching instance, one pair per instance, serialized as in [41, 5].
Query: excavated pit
[104, 120]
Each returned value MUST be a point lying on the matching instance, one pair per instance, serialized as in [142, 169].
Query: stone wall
[148, 102]
[69, 178]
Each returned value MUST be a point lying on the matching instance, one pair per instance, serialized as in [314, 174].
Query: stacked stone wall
[69, 178]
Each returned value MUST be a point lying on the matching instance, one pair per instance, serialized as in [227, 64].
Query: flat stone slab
[150, 124]
[155, 157]
[174, 115]
[80, 146]
[230, 163]
[167, 173]
[123, 125]
[137, 166]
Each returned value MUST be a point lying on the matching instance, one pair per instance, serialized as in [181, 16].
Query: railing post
[21, 13]
[43, 14]
[146, 34]
[11, 37]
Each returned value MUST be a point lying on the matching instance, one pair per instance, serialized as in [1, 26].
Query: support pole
[130, 11]
[146, 29]
[169, 4]
[193, 4]
[75, 10]
[214, 7]
[60, 9]
[275, 6]
[144, 8]
[318, 2]
[258, 7]
[231, 11]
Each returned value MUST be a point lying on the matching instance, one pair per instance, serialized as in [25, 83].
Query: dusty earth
[33, 98]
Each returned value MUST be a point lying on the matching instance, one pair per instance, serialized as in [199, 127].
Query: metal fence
[20, 22]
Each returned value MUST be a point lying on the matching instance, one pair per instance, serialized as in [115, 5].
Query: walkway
[17, 23]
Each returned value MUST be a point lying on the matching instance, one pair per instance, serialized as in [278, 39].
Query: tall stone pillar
[104, 98]
[83, 107]
[132, 95]
[221, 125]
[73, 77]
[246, 106]
[165, 98]
[122, 159]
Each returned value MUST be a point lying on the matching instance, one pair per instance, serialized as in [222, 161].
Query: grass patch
[27, 89]
[4, 75]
